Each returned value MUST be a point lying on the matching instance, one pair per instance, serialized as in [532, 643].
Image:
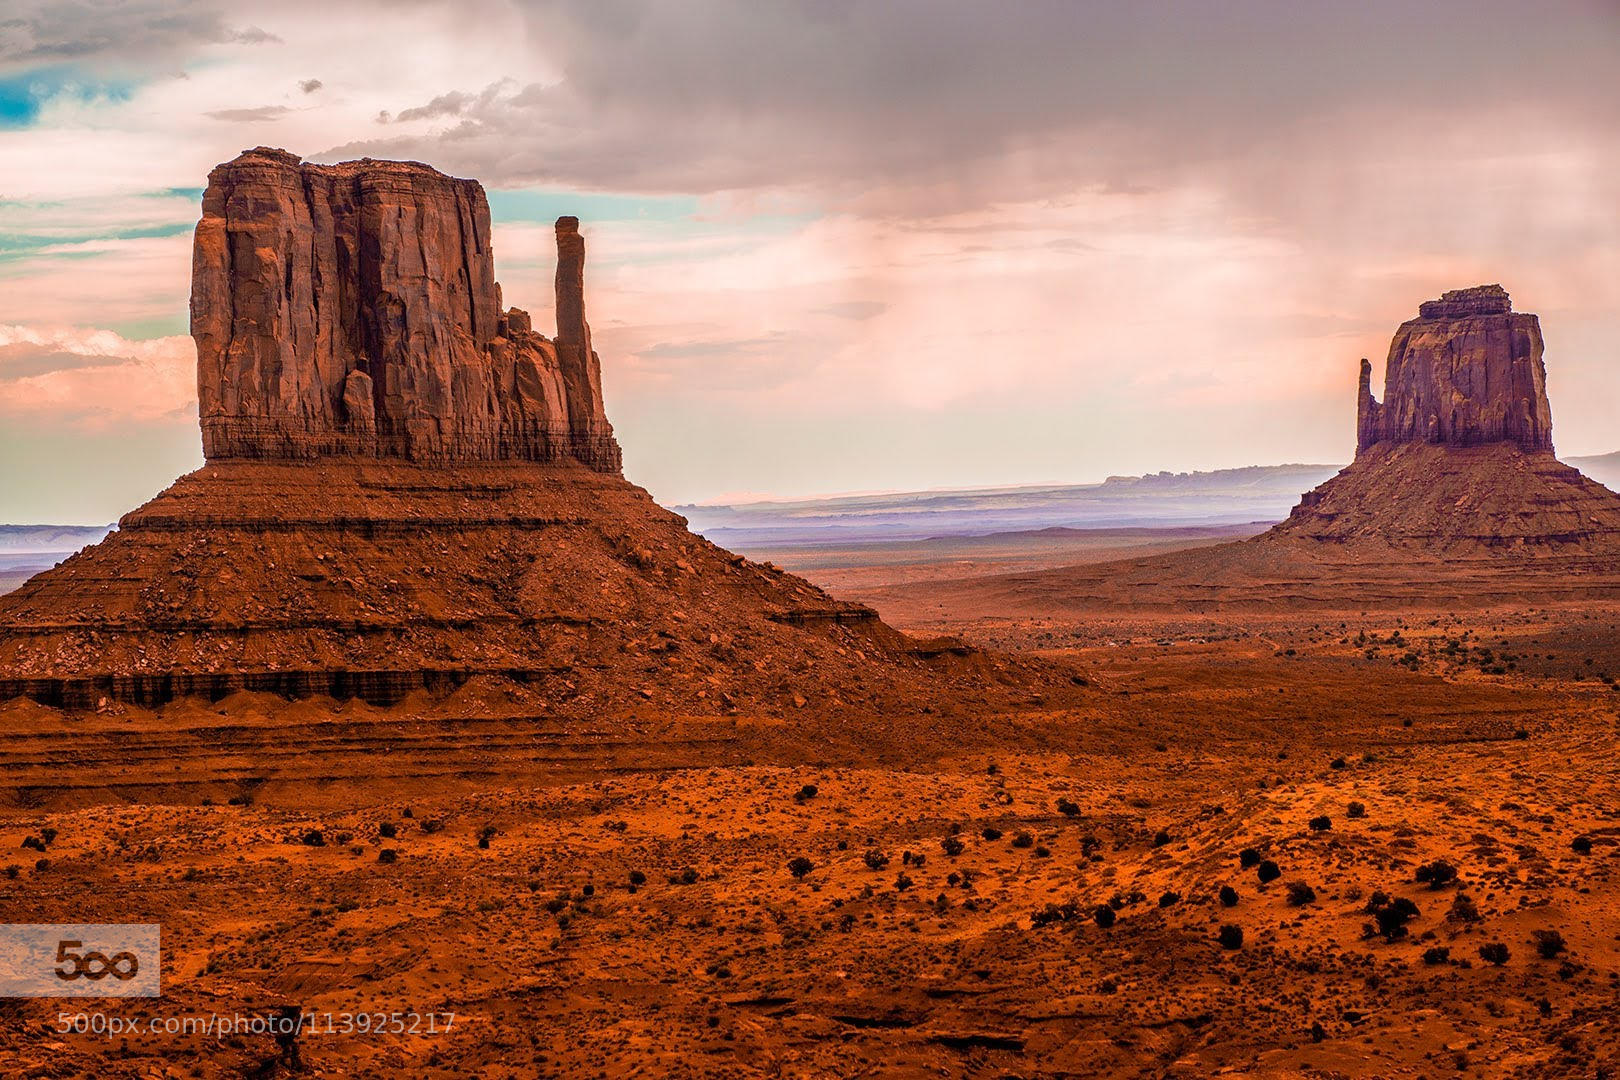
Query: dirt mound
[371, 579]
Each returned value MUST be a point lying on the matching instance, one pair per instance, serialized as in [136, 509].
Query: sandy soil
[928, 936]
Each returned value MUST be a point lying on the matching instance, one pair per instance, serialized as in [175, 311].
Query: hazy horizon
[890, 247]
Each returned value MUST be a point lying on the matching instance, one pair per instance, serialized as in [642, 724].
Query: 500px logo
[94, 965]
[80, 960]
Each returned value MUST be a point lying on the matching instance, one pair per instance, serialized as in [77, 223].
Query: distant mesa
[1454, 500]
[353, 310]
[1458, 457]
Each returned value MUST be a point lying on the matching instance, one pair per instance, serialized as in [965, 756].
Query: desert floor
[631, 907]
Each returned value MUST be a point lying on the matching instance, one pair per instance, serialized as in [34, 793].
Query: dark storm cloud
[125, 35]
[723, 94]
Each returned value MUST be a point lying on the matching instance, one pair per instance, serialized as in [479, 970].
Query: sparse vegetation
[1437, 874]
[1494, 953]
[799, 866]
[1269, 872]
[1231, 936]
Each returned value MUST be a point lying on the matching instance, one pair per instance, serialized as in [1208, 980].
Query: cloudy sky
[844, 244]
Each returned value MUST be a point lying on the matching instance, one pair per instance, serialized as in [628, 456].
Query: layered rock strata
[352, 309]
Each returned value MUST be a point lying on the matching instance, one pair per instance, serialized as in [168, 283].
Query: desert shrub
[799, 866]
[1436, 955]
[1068, 808]
[313, 838]
[41, 865]
[990, 832]
[903, 882]
[1392, 915]
[1042, 852]
[951, 846]
[1055, 913]
[875, 859]
[387, 830]
[48, 835]
[387, 855]
[1161, 838]
[806, 793]
[1321, 824]
[1269, 871]
[1581, 845]
[1463, 910]
[485, 835]
[432, 825]
[638, 878]
[1248, 857]
[1437, 874]
[688, 876]
[1494, 953]
[1229, 896]
[1300, 894]
[1338, 763]
[1356, 810]
[1169, 899]
[1549, 943]
[12, 871]
[1104, 916]
[33, 843]
[1023, 840]
[1231, 936]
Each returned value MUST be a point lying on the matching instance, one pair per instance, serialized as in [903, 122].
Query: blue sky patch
[22, 96]
[529, 204]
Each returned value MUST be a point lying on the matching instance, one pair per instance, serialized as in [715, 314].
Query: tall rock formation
[408, 489]
[353, 310]
[1458, 457]
[1466, 372]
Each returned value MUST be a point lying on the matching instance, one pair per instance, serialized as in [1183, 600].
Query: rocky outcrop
[1458, 459]
[1466, 372]
[352, 309]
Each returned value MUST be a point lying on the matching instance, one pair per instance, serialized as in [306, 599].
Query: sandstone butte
[353, 309]
[1458, 457]
[407, 488]
[1455, 499]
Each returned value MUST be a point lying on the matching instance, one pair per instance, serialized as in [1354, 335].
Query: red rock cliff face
[1466, 372]
[352, 309]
